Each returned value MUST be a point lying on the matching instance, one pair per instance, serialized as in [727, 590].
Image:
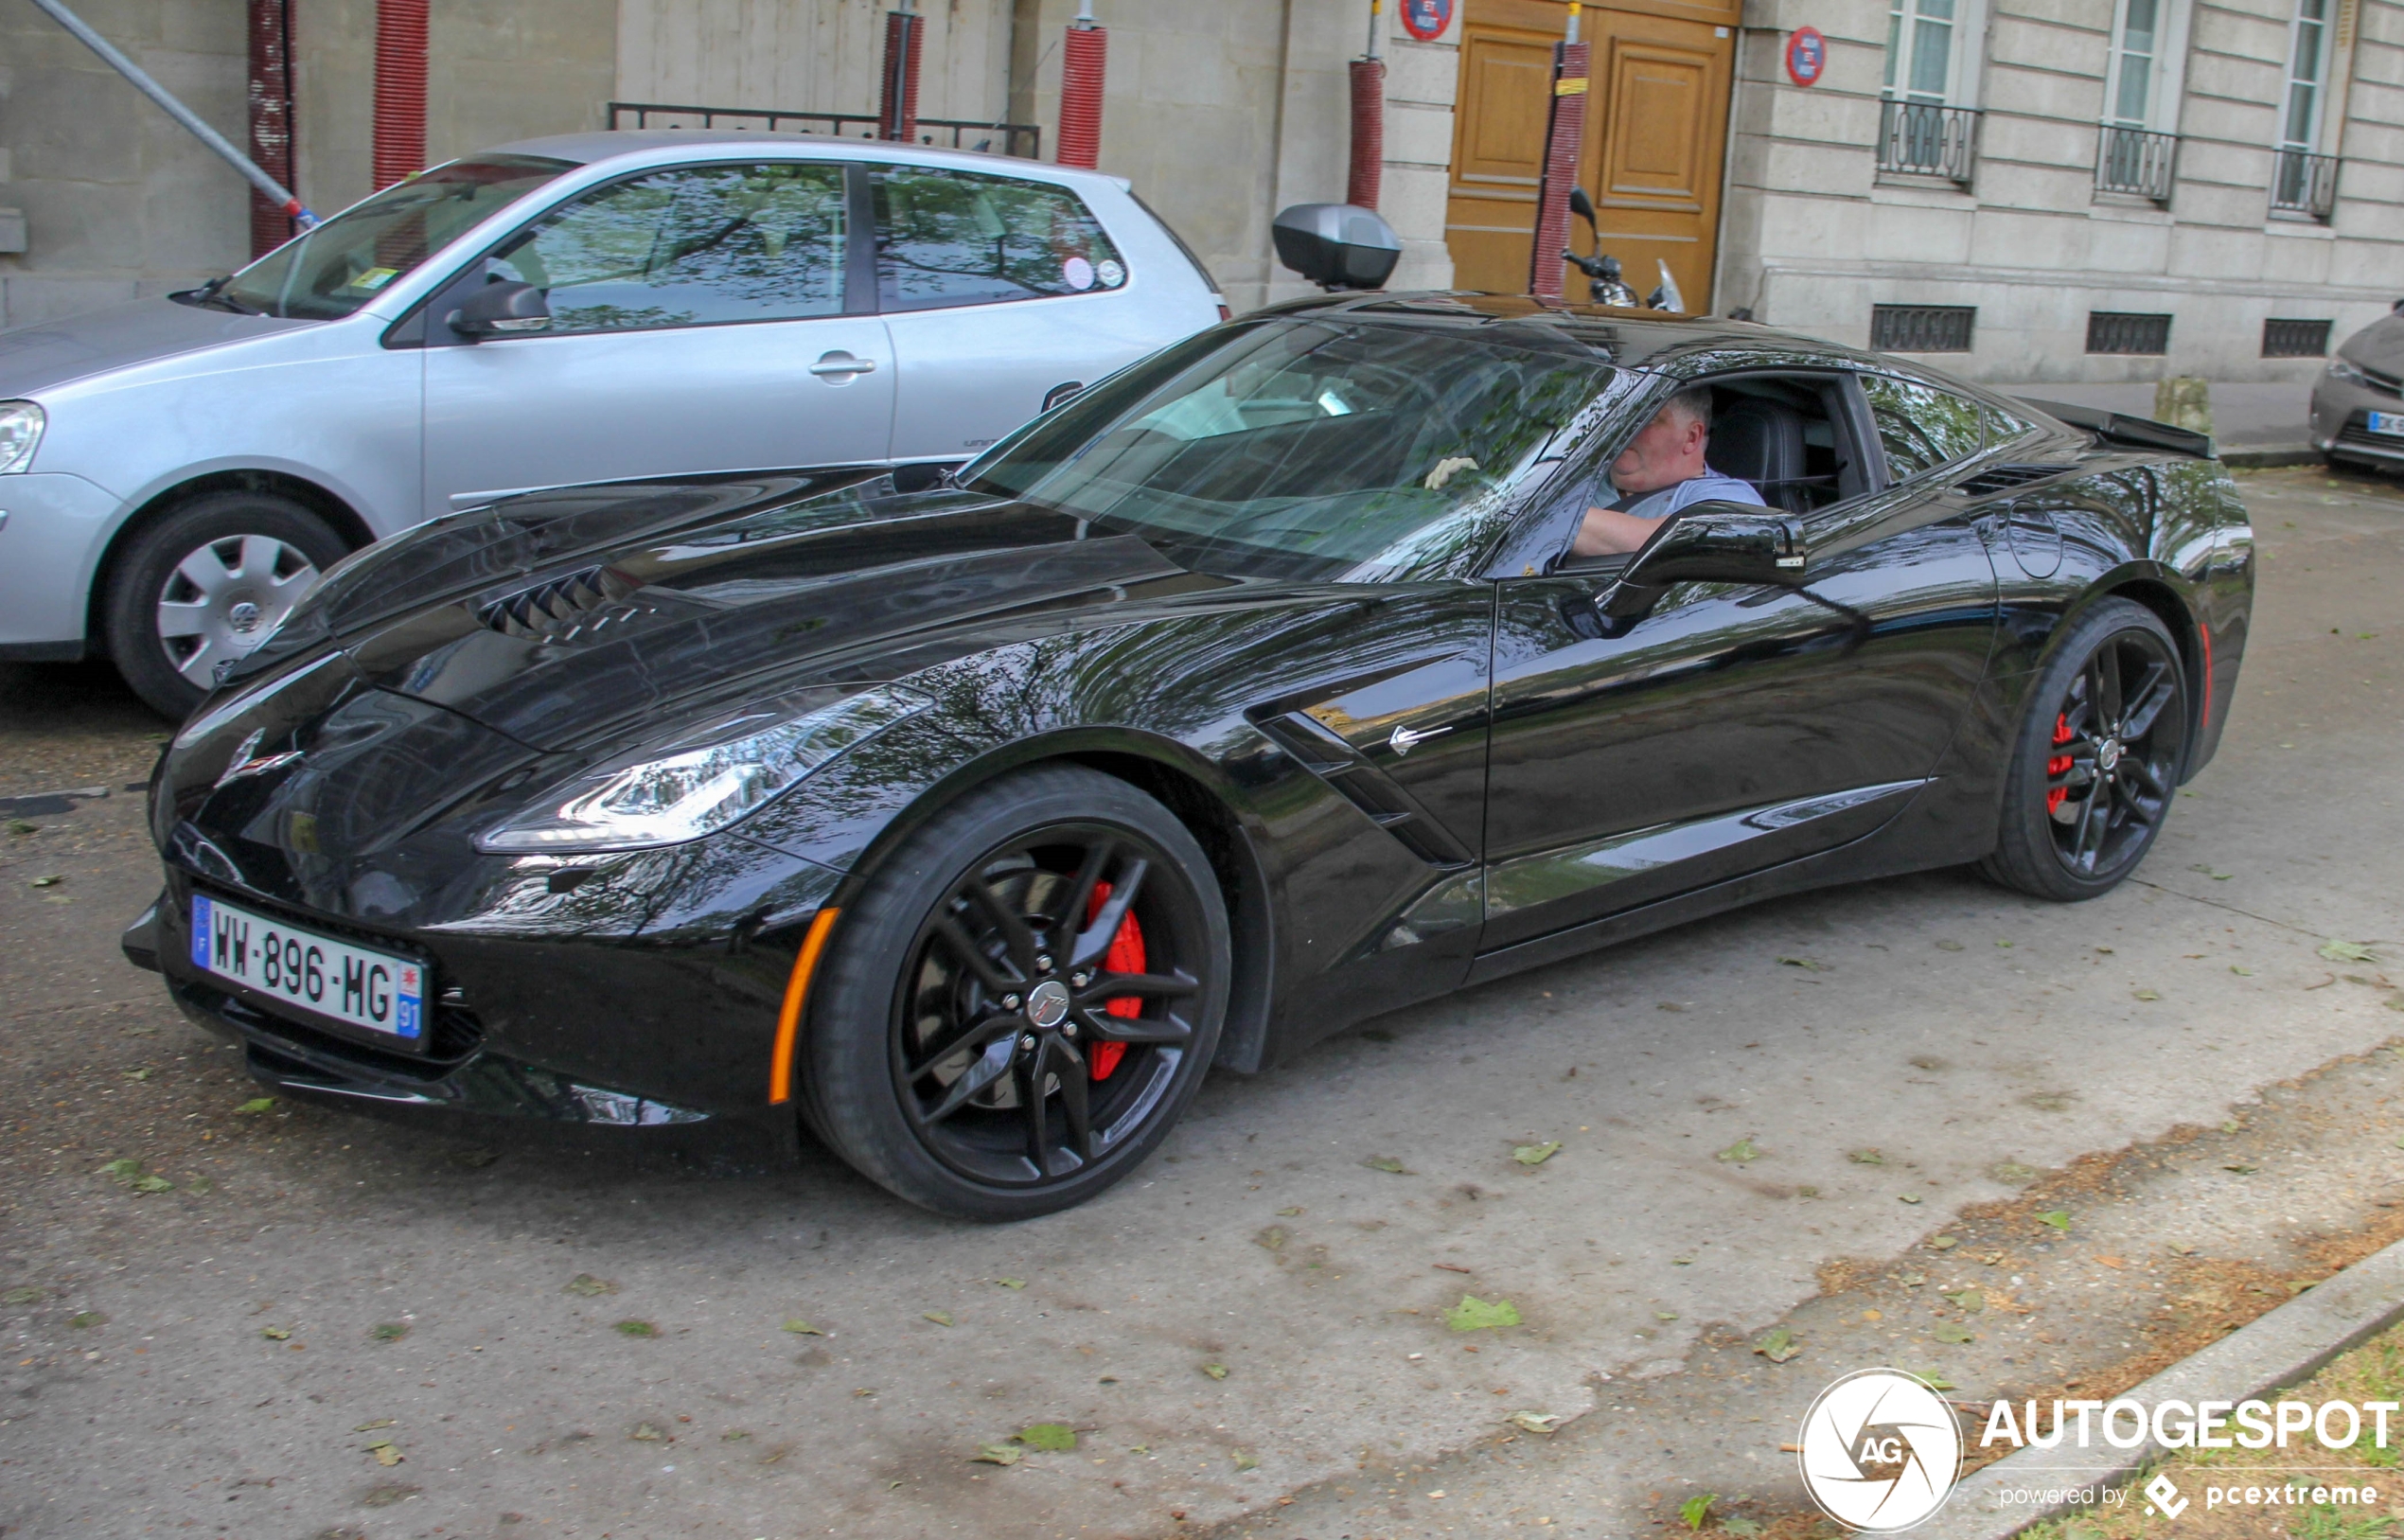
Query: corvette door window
[1312, 450]
[957, 238]
[692, 246]
[1921, 427]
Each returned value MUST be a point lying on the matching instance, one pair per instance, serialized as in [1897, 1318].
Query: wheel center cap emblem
[1048, 1004]
[2107, 755]
[243, 616]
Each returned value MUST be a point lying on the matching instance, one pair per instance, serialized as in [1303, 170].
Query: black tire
[2099, 758]
[899, 1004]
[223, 535]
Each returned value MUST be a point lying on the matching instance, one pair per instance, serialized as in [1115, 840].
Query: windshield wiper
[213, 296]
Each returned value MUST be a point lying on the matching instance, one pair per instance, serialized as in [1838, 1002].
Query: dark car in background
[1250, 694]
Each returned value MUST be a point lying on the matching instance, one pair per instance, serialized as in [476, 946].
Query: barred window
[1923, 329]
[2127, 331]
[2295, 339]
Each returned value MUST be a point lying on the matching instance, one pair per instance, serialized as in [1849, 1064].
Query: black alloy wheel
[1047, 961]
[2099, 757]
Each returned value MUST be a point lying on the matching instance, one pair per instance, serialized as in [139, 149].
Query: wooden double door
[1656, 139]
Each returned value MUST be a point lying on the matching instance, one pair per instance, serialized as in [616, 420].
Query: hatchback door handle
[842, 364]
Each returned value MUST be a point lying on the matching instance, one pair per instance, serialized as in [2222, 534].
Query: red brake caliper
[2057, 764]
[1126, 956]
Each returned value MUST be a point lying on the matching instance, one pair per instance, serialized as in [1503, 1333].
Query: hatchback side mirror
[1336, 245]
[1707, 542]
[499, 310]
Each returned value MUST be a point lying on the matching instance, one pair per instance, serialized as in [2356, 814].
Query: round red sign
[1806, 56]
[1426, 19]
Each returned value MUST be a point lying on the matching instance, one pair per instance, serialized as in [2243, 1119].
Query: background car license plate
[362, 988]
[2390, 423]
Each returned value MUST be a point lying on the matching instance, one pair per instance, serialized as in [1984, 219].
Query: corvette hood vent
[556, 606]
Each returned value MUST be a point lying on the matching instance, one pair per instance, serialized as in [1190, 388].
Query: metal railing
[2304, 185]
[1024, 140]
[1920, 138]
[2134, 161]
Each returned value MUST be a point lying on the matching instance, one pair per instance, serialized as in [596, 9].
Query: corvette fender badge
[1404, 739]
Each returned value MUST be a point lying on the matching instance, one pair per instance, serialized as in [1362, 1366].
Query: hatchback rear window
[958, 238]
[352, 257]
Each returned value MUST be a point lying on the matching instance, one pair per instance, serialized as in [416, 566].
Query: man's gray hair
[1694, 403]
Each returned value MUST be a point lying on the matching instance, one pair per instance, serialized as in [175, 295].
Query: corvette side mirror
[1706, 542]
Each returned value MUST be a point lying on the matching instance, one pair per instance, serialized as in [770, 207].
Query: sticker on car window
[1110, 273]
[1077, 274]
[375, 277]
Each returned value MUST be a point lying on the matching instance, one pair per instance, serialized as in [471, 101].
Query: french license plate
[360, 987]
[2390, 423]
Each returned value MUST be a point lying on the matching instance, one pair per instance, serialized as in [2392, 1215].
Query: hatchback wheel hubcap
[224, 599]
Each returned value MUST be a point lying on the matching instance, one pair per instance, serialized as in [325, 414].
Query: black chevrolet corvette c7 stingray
[1248, 695]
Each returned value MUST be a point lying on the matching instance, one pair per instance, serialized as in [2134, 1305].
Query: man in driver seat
[1660, 472]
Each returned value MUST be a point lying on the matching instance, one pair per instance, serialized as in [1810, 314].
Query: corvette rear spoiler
[2119, 428]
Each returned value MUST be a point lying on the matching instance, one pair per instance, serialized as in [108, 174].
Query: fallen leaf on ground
[370, 1428]
[646, 1433]
[122, 1169]
[2241, 971]
[1011, 1283]
[1537, 1155]
[1949, 945]
[1217, 1372]
[277, 1334]
[22, 1296]
[50, 881]
[1665, 1314]
[1933, 1380]
[999, 1454]
[1804, 963]
[152, 1184]
[2005, 945]
[1953, 1331]
[1287, 1214]
[1739, 1152]
[1535, 1422]
[802, 1328]
[590, 1287]
[2146, 994]
[2346, 951]
[84, 1320]
[941, 1318]
[1970, 1302]
[1907, 1198]
[1050, 1437]
[1738, 1525]
[2012, 1172]
[1943, 1243]
[386, 1455]
[1865, 1157]
[18, 825]
[2241, 1170]
[1696, 1510]
[2058, 1218]
[1455, 1268]
[1386, 1163]
[1272, 1239]
[2111, 1261]
[255, 1105]
[635, 1328]
[2216, 876]
[388, 1330]
[143, 1073]
[1777, 1345]
[1476, 1315]
[1244, 1461]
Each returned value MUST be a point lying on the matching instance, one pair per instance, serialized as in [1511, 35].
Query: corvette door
[1735, 727]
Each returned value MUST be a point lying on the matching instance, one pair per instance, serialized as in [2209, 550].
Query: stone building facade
[2089, 190]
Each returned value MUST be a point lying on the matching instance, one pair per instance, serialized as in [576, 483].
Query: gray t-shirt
[1708, 487]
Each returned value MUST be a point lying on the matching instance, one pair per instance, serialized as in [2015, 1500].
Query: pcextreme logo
[1879, 1450]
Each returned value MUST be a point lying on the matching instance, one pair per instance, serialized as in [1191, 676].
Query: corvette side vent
[550, 607]
[2003, 478]
[1364, 786]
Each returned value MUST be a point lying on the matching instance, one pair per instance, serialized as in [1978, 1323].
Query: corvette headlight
[703, 781]
[21, 425]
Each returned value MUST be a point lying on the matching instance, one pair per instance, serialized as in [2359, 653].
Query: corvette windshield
[1319, 451]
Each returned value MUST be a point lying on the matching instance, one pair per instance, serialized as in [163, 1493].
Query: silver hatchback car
[175, 472]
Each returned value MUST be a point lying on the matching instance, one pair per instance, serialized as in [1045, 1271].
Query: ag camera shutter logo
[1881, 1450]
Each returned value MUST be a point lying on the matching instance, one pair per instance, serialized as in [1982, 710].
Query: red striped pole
[1084, 62]
[1369, 117]
[271, 118]
[1564, 136]
[897, 113]
[400, 89]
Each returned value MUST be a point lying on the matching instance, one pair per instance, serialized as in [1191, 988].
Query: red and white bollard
[1083, 61]
[897, 113]
[1564, 137]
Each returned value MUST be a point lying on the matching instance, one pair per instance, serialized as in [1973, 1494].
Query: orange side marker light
[788, 1021]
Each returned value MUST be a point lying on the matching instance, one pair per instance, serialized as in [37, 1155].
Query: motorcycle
[1604, 284]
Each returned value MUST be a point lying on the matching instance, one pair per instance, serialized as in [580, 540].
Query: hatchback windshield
[346, 261]
[1314, 451]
